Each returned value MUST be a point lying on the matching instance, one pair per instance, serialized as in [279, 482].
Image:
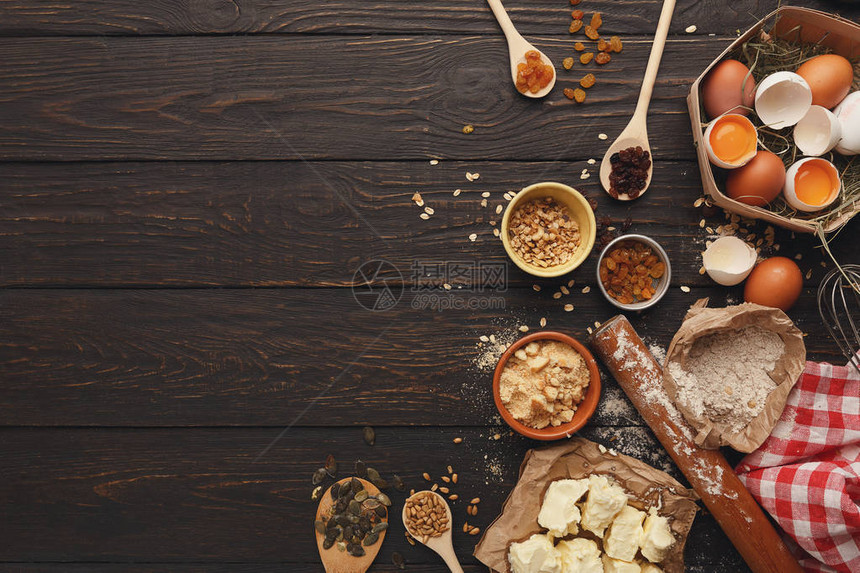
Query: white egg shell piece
[712, 156]
[818, 132]
[848, 113]
[790, 192]
[782, 99]
[728, 260]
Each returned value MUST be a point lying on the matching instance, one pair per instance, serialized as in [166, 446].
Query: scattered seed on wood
[602, 136]
[498, 209]
[691, 29]
[543, 322]
[474, 531]
[450, 470]
[467, 129]
[524, 328]
[331, 465]
[456, 192]
[454, 478]
[434, 162]
[586, 290]
[483, 202]
[397, 558]
[496, 232]
[475, 500]
[453, 497]
[556, 295]
[685, 289]
[458, 440]
[465, 527]
[446, 479]
[369, 435]
[568, 307]
[424, 216]
[434, 487]
[444, 489]
[429, 210]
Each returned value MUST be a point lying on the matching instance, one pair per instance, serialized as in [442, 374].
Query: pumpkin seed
[334, 491]
[369, 435]
[331, 465]
[372, 474]
[357, 551]
[354, 507]
[397, 559]
[316, 493]
[381, 511]
[355, 485]
[370, 539]
[380, 483]
[383, 499]
[319, 526]
[319, 476]
[361, 495]
[327, 543]
[347, 532]
[381, 526]
[398, 483]
[360, 469]
[371, 503]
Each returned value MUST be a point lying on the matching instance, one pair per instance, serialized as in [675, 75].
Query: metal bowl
[662, 283]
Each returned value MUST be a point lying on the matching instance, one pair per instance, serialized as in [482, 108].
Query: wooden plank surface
[310, 224]
[102, 494]
[190, 357]
[181, 17]
[249, 97]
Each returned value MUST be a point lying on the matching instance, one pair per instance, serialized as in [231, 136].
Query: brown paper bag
[577, 458]
[701, 321]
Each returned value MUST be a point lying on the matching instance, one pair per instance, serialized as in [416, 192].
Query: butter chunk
[580, 555]
[625, 534]
[605, 500]
[650, 568]
[657, 537]
[559, 513]
[535, 555]
[611, 565]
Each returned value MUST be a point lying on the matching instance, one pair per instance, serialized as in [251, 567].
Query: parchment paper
[701, 321]
[577, 458]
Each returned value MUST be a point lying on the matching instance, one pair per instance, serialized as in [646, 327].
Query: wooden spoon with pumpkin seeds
[350, 525]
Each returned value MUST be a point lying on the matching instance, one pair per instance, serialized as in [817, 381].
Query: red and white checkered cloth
[807, 473]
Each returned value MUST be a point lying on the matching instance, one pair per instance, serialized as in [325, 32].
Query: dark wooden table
[188, 189]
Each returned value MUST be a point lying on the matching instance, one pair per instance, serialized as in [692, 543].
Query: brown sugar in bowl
[584, 409]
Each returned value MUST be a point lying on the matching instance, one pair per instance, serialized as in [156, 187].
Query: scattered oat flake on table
[585, 176]
[685, 288]
[568, 307]
[602, 136]
[556, 295]
[536, 287]
[591, 161]
[691, 29]
[446, 286]
[496, 232]
[586, 290]
[564, 289]
[543, 321]
[429, 210]
[472, 176]
[473, 236]
[524, 328]
[498, 209]
[571, 282]
[485, 194]
[483, 338]
[483, 202]
[424, 216]
[418, 200]
[456, 192]
[434, 162]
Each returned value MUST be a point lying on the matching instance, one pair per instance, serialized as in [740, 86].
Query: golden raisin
[602, 45]
[579, 46]
[579, 95]
[577, 14]
[567, 63]
[575, 26]
[596, 20]
[615, 44]
[575, 2]
[602, 58]
[467, 129]
[533, 75]
[587, 81]
[591, 33]
[586, 57]
[568, 93]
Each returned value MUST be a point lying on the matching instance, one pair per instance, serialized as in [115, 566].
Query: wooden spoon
[336, 561]
[518, 46]
[441, 544]
[636, 132]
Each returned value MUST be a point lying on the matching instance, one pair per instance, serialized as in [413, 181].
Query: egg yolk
[732, 138]
[813, 184]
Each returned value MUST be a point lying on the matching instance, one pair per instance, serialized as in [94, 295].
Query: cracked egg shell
[811, 184]
[782, 99]
[731, 141]
[818, 132]
[848, 113]
[728, 260]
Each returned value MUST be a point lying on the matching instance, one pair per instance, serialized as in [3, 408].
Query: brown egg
[723, 89]
[829, 77]
[775, 282]
[759, 181]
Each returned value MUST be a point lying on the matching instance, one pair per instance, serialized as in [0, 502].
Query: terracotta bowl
[584, 410]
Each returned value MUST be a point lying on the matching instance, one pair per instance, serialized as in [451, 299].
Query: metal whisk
[839, 306]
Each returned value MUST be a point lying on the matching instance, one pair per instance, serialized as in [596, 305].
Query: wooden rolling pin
[640, 376]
